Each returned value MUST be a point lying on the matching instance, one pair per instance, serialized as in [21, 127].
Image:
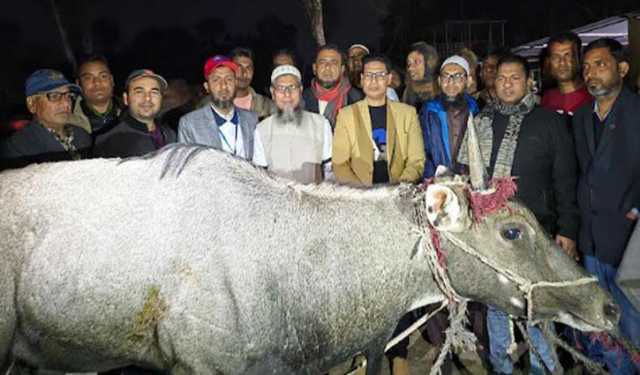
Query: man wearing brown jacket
[377, 140]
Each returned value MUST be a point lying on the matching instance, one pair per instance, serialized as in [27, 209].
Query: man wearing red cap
[220, 124]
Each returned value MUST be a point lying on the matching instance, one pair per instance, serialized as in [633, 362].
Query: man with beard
[444, 123]
[220, 124]
[97, 110]
[444, 119]
[377, 140]
[330, 89]
[138, 132]
[422, 63]
[519, 139]
[564, 67]
[293, 143]
[246, 97]
[607, 136]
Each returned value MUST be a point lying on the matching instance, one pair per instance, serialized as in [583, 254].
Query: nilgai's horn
[477, 171]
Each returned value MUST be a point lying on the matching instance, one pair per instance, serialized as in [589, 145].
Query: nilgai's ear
[444, 209]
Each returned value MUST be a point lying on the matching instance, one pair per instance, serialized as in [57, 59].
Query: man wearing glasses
[377, 140]
[444, 119]
[293, 143]
[48, 137]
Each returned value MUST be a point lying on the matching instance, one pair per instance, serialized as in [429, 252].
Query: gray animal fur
[197, 262]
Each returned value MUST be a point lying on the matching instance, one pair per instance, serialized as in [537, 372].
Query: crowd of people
[572, 149]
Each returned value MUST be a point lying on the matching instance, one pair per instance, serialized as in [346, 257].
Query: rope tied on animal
[525, 285]
[457, 335]
[482, 204]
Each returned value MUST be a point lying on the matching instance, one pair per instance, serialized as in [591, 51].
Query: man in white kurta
[293, 143]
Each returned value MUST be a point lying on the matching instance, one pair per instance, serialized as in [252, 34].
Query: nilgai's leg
[375, 355]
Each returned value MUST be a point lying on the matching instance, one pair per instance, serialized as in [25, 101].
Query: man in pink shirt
[564, 65]
[246, 97]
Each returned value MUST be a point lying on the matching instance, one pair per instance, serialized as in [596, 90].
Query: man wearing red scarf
[330, 89]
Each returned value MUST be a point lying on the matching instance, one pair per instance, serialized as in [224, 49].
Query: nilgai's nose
[612, 311]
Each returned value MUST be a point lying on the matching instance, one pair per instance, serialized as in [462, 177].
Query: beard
[222, 104]
[454, 102]
[289, 115]
[598, 88]
[328, 84]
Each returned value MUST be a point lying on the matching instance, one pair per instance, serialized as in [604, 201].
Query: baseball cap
[458, 60]
[217, 61]
[44, 80]
[141, 73]
[284, 70]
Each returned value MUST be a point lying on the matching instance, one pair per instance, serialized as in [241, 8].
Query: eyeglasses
[374, 76]
[289, 89]
[456, 77]
[56, 96]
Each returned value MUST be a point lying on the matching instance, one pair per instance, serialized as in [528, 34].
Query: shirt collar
[223, 119]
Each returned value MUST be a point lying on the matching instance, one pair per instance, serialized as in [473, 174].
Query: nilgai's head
[499, 254]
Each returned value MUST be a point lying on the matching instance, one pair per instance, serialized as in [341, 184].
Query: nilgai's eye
[512, 234]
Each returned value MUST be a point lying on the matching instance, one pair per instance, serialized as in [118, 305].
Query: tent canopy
[613, 27]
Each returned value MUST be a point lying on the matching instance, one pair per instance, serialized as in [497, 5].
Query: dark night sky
[30, 39]
[240, 16]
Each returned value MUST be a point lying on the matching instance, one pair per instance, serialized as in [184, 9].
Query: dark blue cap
[45, 80]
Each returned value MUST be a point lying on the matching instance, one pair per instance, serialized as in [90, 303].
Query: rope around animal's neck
[528, 287]
[525, 285]
[457, 335]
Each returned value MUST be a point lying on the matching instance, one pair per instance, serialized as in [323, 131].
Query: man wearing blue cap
[48, 137]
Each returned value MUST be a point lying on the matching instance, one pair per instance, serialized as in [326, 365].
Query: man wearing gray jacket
[221, 124]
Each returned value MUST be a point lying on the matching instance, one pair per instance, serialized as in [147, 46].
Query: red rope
[483, 205]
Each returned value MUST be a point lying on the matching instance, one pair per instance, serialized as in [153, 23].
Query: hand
[632, 215]
[569, 246]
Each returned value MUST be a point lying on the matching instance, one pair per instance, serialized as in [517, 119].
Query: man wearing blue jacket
[444, 122]
[444, 119]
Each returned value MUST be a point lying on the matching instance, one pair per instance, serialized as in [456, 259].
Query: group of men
[572, 153]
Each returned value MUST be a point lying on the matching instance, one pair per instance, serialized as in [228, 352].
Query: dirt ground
[421, 357]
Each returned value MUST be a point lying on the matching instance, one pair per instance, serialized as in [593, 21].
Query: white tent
[612, 27]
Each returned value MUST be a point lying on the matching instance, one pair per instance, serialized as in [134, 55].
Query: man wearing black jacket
[522, 140]
[330, 89]
[607, 137]
[138, 132]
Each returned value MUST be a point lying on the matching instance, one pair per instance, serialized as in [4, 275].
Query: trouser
[500, 340]
[618, 361]
[433, 333]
